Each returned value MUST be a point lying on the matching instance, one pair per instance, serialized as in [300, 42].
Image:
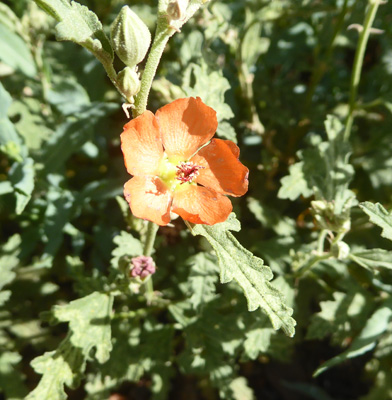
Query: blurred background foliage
[273, 71]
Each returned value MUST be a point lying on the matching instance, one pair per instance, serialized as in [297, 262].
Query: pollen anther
[187, 171]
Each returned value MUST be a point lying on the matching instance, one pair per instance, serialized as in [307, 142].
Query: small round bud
[130, 37]
[142, 267]
[176, 9]
[129, 82]
[340, 250]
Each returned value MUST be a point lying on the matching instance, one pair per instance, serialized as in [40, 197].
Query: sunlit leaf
[257, 341]
[15, 53]
[22, 179]
[210, 86]
[202, 279]
[11, 380]
[252, 45]
[323, 170]
[241, 390]
[80, 25]
[126, 245]
[373, 258]
[248, 271]
[379, 216]
[376, 325]
[89, 327]
[8, 262]
[10, 142]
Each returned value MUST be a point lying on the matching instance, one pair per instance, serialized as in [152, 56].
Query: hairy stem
[320, 242]
[112, 74]
[151, 234]
[358, 62]
[150, 238]
[322, 65]
[162, 36]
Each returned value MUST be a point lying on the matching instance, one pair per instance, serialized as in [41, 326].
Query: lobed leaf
[323, 170]
[80, 25]
[241, 390]
[127, 245]
[8, 262]
[211, 87]
[253, 45]
[22, 176]
[202, 280]
[248, 271]
[373, 258]
[379, 216]
[59, 368]
[10, 141]
[257, 341]
[11, 380]
[15, 53]
[342, 316]
[376, 325]
[295, 184]
[89, 324]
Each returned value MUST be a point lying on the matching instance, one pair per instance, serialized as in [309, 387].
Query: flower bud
[340, 250]
[130, 37]
[129, 82]
[176, 9]
[142, 267]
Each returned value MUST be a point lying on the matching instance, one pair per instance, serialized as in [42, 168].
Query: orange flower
[171, 169]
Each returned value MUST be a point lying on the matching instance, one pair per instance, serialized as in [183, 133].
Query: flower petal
[141, 144]
[200, 205]
[222, 170]
[149, 199]
[186, 125]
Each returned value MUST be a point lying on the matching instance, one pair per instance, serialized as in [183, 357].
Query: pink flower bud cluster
[142, 267]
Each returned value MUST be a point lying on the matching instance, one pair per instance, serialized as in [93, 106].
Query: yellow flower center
[176, 172]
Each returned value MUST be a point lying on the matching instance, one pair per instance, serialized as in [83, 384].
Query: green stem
[358, 62]
[322, 65]
[339, 237]
[151, 234]
[150, 238]
[112, 74]
[321, 240]
[314, 260]
[162, 36]
[371, 104]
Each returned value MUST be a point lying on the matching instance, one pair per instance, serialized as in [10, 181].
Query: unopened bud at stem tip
[130, 37]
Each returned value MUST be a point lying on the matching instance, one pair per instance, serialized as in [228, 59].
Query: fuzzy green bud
[340, 250]
[129, 82]
[130, 37]
[176, 9]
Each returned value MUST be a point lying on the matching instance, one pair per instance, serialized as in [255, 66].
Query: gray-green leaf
[15, 53]
[202, 280]
[89, 323]
[22, 179]
[373, 258]
[80, 25]
[248, 271]
[376, 325]
[379, 216]
[323, 170]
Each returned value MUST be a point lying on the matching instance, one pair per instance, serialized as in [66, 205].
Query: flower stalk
[358, 62]
[162, 36]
